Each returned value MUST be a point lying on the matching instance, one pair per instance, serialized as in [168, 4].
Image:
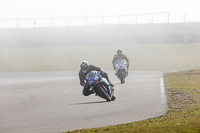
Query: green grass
[187, 81]
[150, 57]
[184, 109]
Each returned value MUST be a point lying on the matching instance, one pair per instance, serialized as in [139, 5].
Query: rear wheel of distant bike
[104, 93]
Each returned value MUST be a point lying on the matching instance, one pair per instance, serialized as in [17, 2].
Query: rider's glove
[102, 72]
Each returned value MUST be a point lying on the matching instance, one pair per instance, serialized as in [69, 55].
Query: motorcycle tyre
[102, 92]
[122, 80]
[113, 98]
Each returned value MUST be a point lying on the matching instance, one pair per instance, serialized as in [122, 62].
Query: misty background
[167, 42]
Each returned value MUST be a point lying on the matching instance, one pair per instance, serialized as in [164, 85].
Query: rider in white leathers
[120, 57]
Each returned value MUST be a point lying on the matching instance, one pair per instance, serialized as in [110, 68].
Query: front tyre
[121, 75]
[104, 93]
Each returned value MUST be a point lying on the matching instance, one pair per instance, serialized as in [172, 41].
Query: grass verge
[183, 92]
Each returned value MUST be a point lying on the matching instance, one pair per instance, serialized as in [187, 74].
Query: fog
[155, 47]
[150, 44]
[16, 9]
[101, 35]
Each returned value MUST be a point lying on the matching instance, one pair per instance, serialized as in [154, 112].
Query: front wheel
[121, 75]
[103, 92]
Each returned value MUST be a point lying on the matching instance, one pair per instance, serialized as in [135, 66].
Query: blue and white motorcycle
[100, 86]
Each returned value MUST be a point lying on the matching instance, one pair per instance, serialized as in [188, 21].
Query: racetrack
[52, 102]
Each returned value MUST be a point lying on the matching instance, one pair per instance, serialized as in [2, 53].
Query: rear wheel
[113, 97]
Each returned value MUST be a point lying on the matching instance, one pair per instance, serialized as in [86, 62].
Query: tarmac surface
[52, 102]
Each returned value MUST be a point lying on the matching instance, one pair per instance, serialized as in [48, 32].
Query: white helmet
[119, 52]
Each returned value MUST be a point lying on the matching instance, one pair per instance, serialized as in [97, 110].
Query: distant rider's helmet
[119, 52]
[84, 66]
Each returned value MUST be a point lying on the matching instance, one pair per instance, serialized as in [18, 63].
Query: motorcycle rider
[85, 68]
[118, 57]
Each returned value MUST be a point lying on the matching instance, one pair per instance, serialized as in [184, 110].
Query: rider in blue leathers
[85, 69]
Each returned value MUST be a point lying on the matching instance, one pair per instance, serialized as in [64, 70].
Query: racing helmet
[84, 66]
[119, 52]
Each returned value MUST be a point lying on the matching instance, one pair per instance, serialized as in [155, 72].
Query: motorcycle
[100, 86]
[121, 71]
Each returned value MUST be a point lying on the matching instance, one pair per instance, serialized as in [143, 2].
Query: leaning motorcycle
[100, 86]
[121, 71]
